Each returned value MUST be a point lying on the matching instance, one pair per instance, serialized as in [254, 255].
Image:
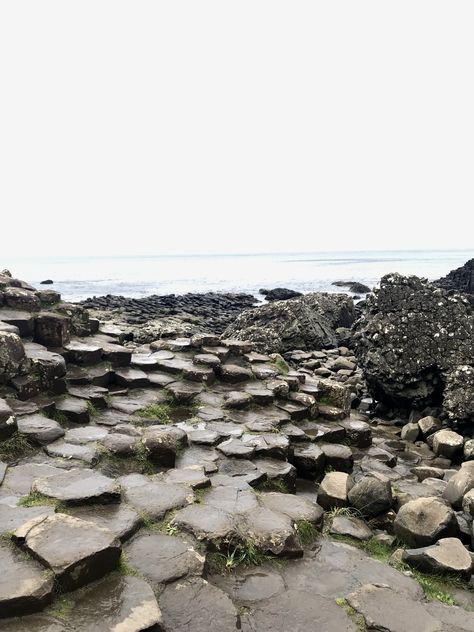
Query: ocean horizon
[81, 277]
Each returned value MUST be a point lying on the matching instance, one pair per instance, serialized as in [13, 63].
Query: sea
[77, 278]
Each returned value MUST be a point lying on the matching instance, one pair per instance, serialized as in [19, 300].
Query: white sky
[247, 126]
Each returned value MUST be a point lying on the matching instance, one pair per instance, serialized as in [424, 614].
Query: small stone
[39, 429]
[332, 491]
[309, 461]
[352, 527]
[447, 443]
[370, 493]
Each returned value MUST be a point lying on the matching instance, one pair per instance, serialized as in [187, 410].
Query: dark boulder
[412, 340]
[46, 282]
[353, 286]
[279, 294]
[307, 322]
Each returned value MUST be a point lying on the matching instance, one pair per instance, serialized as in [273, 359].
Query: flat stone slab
[77, 551]
[131, 377]
[298, 610]
[12, 517]
[296, 507]
[78, 486]
[386, 609]
[448, 555]
[235, 447]
[39, 429]
[74, 409]
[206, 523]
[194, 605]
[163, 558]
[155, 499]
[123, 521]
[33, 623]
[270, 531]
[25, 586]
[18, 479]
[86, 453]
[352, 527]
[85, 434]
[193, 477]
[118, 604]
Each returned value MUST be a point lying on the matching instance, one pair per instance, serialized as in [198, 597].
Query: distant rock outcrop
[412, 341]
[353, 286]
[279, 294]
[308, 322]
[460, 280]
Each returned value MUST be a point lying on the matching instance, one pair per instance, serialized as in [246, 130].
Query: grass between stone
[34, 499]
[160, 412]
[15, 447]
[272, 485]
[353, 614]
[435, 586]
[243, 554]
[306, 531]
[281, 365]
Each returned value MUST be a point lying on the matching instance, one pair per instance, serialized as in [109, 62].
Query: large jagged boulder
[307, 322]
[13, 360]
[460, 280]
[411, 341]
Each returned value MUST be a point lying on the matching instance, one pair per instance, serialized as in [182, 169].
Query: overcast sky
[247, 126]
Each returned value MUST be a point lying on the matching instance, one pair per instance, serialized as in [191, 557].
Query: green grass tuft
[307, 532]
[34, 499]
[59, 416]
[124, 567]
[281, 365]
[244, 554]
[273, 485]
[160, 412]
[15, 447]
[353, 614]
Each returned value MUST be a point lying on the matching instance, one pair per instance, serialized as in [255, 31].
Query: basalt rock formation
[412, 341]
[308, 322]
[460, 280]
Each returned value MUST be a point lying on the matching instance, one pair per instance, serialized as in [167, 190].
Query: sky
[212, 126]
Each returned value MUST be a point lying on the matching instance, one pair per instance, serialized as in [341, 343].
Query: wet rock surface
[186, 469]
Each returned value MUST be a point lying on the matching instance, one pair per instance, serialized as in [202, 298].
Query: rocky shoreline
[194, 463]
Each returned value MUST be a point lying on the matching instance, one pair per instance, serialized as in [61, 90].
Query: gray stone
[121, 520]
[77, 552]
[447, 443]
[39, 429]
[155, 498]
[78, 486]
[448, 555]
[350, 526]
[332, 491]
[370, 493]
[410, 432]
[387, 609]
[122, 604]
[429, 425]
[309, 461]
[338, 457]
[459, 484]
[190, 606]
[25, 586]
[423, 521]
[163, 558]
[295, 507]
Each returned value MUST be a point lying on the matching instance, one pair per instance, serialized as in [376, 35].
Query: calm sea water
[80, 277]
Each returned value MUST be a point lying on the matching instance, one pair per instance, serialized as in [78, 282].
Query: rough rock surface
[410, 340]
[308, 322]
[460, 280]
